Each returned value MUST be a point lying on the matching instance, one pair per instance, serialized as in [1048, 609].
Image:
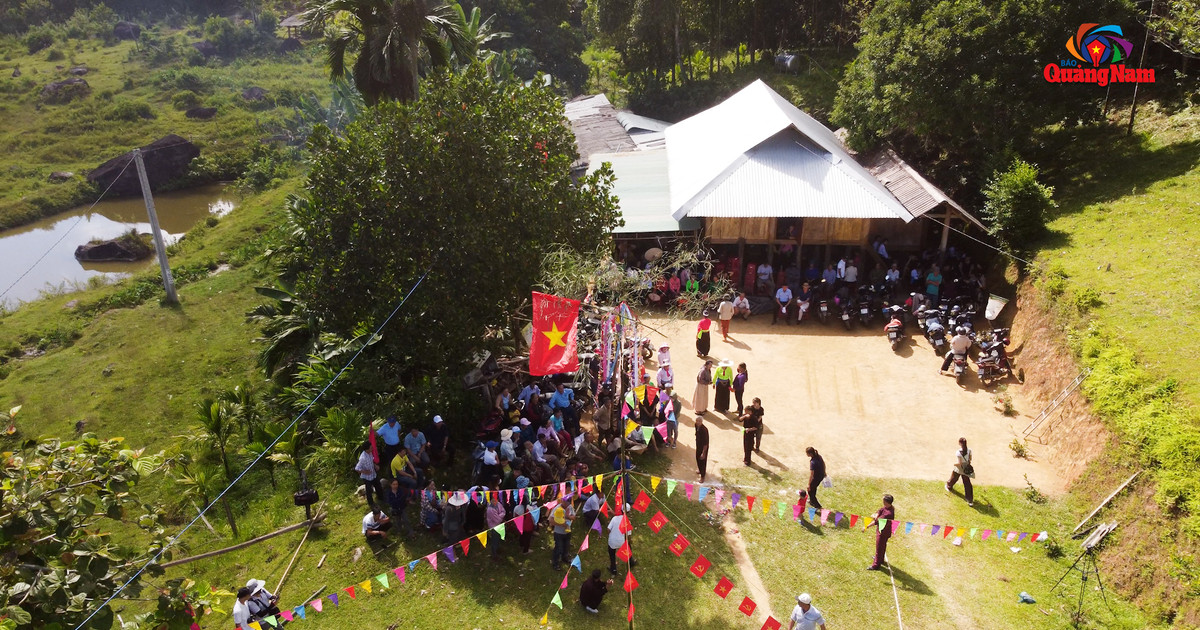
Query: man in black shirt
[701, 447]
[440, 449]
[592, 592]
[751, 425]
[816, 472]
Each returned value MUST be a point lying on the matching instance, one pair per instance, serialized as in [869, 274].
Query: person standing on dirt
[751, 427]
[724, 383]
[964, 469]
[884, 533]
[739, 387]
[703, 339]
[701, 448]
[704, 380]
[725, 315]
[816, 473]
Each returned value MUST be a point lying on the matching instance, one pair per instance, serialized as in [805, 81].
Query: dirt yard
[871, 412]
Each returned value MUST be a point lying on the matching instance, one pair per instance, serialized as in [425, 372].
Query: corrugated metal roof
[597, 130]
[641, 188]
[788, 175]
[918, 194]
[634, 123]
[704, 149]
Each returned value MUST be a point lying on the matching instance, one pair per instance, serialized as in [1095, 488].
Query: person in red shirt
[703, 339]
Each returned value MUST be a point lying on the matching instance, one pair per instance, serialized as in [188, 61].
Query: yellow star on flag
[555, 336]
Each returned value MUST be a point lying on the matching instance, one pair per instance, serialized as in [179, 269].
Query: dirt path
[750, 574]
[869, 411]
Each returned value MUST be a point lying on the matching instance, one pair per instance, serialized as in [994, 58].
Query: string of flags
[398, 574]
[516, 495]
[823, 517]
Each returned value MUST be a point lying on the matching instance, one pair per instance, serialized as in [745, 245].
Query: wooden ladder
[1054, 405]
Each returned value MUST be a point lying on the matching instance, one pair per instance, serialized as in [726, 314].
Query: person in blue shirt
[390, 433]
[813, 275]
[416, 444]
[563, 398]
[529, 396]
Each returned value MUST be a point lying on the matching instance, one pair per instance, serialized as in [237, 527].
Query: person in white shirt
[783, 300]
[617, 538]
[850, 274]
[766, 280]
[241, 610]
[804, 616]
[365, 467]
[724, 315]
[841, 268]
[741, 306]
[666, 378]
[960, 343]
[893, 274]
[375, 525]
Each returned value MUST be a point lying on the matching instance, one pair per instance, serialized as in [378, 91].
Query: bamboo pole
[297, 552]
[316, 519]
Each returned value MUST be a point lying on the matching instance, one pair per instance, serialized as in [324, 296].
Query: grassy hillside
[138, 93]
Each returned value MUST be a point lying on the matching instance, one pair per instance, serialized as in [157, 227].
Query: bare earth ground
[869, 411]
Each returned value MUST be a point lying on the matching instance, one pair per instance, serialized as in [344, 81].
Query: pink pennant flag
[286, 614]
[584, 546]
[1011, 536]
[564, 582]
[687, 487]
[796, 512]
[895, 526]
[399, 571]
[824, 516]
[521, 494]
[662, 430]
[520, 523]
[562, 489]
[625, 410]
[720, 494]
[986, 533]
[432, 558]
[316, 604]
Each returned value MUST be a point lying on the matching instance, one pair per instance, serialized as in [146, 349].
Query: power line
[261, 455]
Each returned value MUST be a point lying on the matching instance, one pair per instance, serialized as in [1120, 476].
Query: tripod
[1089, 567]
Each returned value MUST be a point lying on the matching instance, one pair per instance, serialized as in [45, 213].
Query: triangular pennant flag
[719, 495]
[317, 604]
[482, 537]
[770, 624]
[867, 520]
[626, 525]
[671, 486]
[703, 490]
[287, 615]
[999, 534]
[1022, 536]
[736, 497]
[657, 522]
[688, 488]
[624, 553]
[654, 481]
[499, 529]
[700, 566]
[271, 621]
[432, 558]
[535, 513]
[577, 563]
[908, 527]
[766, 506]
[466, 546]
[921, 528]
[824, 516]
[604, 510]
[837, 519]
[382, 578]
[662, 430]
[521, 494]
[946, 531]
[934, 529]
[853, 519]
[350, 590]
[300, 612]
[629, 617]
[679, 544]
[782, 510]
[796, 512]
[412, 566]
[642, 502]
[631, 582]
[557, 601]
[449, 553]
[584, 546]
[723, 587]
[545, 618]
[895, 526]
[334, 598]
[596, 525]
[1011, 536]
[254, 625]
[647, 434]
[630, 427]
[599, 483]
[365, 585]
[750, 503]
[564, 582]
[747, 606]
[812, 515]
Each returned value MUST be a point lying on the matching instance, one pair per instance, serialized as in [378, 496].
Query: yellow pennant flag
[867, 520]
[654, 481]
[482, 536]
[365, 585]
[630, 427]
[599, 483]
[766, 505]
[958, 532]
[545, 618]
[254, 624]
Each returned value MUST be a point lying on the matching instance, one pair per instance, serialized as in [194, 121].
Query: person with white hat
[664, 354]
[261, 603]
[508, 450]
[454, 517]
[805, 616]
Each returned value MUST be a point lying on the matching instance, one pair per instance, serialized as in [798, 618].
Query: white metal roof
[705, 151]
[641, 188]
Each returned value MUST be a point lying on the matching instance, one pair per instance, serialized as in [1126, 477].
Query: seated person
[549, 437]
[803, 300]
[741, 306]
[813, 274]
[375, 525]
[528, 431]
[261, 603]
[616, 463]
[397, 500]
[564, 399]
[405, 472]
[431, 508]
[558, 421]
[418, 446]
[589, 452]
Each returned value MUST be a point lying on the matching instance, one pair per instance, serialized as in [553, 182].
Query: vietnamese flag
[553, 348]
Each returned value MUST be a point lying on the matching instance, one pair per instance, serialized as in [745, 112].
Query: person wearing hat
[805, 616]
[439, 447]
[704, 380]
[664, 354]
[508, 450]
[454, 517]
[665, 376]
[390, 433]
[528, 431]
[703, 340]
[418, 446]
[723, 383]
[241, 609]
[261, 603]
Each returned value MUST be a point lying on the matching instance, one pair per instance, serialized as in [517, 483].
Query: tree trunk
[225, 463]
[229, 516]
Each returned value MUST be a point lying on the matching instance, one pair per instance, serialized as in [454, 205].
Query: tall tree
[389, 40]
[472, 182]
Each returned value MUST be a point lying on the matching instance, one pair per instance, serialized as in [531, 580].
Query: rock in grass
[65, 91]
[127, 30]
[165, 158]
[16, 73]
[201, 113]
[61, 176]
[78, 71]
[128, 247]
[205, 47]
[254, 94]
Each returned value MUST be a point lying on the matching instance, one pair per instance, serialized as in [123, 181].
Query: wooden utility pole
[159, 247]
[1141, 60]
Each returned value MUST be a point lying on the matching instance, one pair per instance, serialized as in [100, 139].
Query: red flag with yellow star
[553, 348]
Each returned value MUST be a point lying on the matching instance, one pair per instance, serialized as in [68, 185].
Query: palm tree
[216, 429]
[478, 33]
[390, 38]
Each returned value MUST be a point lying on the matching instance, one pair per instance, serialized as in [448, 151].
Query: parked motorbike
[935, 330]
[847, 309]
[961, 317]
[994, 363]
[895, 327]
[960, 367]
[865, 312]
[823, 310]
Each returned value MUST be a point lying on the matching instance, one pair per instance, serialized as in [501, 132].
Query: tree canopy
[471, 182]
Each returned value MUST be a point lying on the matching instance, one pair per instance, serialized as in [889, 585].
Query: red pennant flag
[630, 616]
[949, 529]
[747, 606]
[604, 509]
[770, 624]
[723, 587]
[466, 545]
[750, 503]
[700, 566]
[853, 519]
[625, 525]
[553, 349]
[631, 582]
[679, 544]
[625, 553]
[350, 590]
[642, 502]
[657, 522]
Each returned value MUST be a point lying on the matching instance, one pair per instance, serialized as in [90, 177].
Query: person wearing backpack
[963, 469]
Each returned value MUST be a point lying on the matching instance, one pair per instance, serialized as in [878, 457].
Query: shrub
[55, 55]
[1015, 205]
[229, 37]
[268, 22]
[186, 99]
[129, 110]
[96, 22]
[1032, 493]
[39, 38]
[1019, 449]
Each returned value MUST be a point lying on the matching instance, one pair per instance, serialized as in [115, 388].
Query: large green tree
[961, 80]
[389, 39]
[471, 182]
[549, 29]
